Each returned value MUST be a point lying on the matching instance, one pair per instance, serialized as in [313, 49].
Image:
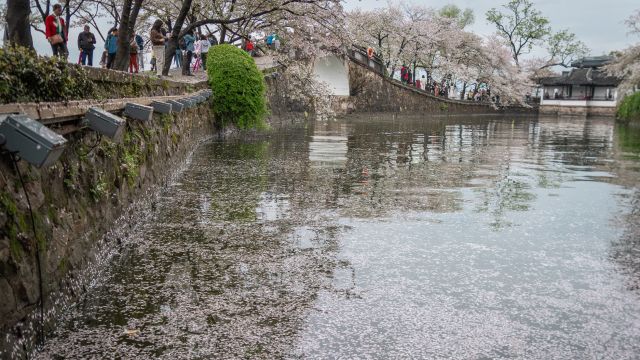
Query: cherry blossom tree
[238, 18]
[435, 41]
[626, 65]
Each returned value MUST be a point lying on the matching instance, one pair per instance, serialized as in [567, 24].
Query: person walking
[140, 44]
[177, 57]
[157, 43]
[86, 44]
[189, 48]
[249, 47]
[213, 41]
[133, 54]
[56, 32]
[111, 45]
[404, 76]
[204, 49]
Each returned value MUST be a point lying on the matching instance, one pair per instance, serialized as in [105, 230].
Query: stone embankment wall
[577, 110]
[372, 92]
[119, 84]
[76, 202]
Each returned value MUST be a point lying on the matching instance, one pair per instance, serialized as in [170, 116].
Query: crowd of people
[191, 52]
[271, 41]
[444, 87]
[435, 88]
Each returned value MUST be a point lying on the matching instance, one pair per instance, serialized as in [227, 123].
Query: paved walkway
[263, 62]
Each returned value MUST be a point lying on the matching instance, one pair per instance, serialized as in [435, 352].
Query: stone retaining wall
[372, 92]
[578, 110]
[119, 84]
[75, 203]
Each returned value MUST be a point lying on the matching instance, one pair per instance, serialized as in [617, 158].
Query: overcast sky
[598, 23]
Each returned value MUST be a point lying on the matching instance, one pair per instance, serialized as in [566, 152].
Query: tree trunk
[223, 35]
[18, 28]
[413, 75]
[127, 27]
[122, 53]
[175, 35]
[67, 16]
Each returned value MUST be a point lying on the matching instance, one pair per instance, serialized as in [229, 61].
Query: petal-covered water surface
[383, 237]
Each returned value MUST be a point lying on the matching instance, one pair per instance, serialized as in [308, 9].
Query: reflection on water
[384, 238]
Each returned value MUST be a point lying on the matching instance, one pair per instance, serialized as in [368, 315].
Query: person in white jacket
[202, 48]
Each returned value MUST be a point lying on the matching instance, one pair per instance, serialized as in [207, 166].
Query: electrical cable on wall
[35, 235]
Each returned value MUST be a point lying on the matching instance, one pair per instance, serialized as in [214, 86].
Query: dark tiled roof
[583, 76]
[592, 62]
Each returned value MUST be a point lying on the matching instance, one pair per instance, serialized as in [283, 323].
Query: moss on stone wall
[76, 200]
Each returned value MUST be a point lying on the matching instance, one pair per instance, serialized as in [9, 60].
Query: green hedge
[238, 87]
[629, 108]
[26, 77]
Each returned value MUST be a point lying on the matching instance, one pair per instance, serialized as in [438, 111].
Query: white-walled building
[585, 90]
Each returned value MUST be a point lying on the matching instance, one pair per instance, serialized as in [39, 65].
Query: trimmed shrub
[238, 87]
[629, 108]
[27, 77]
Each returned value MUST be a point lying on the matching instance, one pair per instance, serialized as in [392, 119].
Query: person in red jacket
[56, 32]
[250, 47]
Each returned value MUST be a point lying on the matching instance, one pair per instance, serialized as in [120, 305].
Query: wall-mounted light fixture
[105, 123]
[138, 112]
[161, 107]
[186, 102]
[176, 106]
[33, 141]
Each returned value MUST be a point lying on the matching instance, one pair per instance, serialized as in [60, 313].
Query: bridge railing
[359, 54]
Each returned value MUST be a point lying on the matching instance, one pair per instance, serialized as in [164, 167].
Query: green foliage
[629, 108]
[167, 121]
[130, 165]
[7, 204]
[521, 25]
[563, 47]
[238, 87]
[15, 247]
[132, 154]
[444, 106]
[464, 17]
[71, 176]
[99, 190]
[16, 223]
[26, 77]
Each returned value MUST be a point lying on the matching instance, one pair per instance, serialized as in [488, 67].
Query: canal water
[382, 238]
